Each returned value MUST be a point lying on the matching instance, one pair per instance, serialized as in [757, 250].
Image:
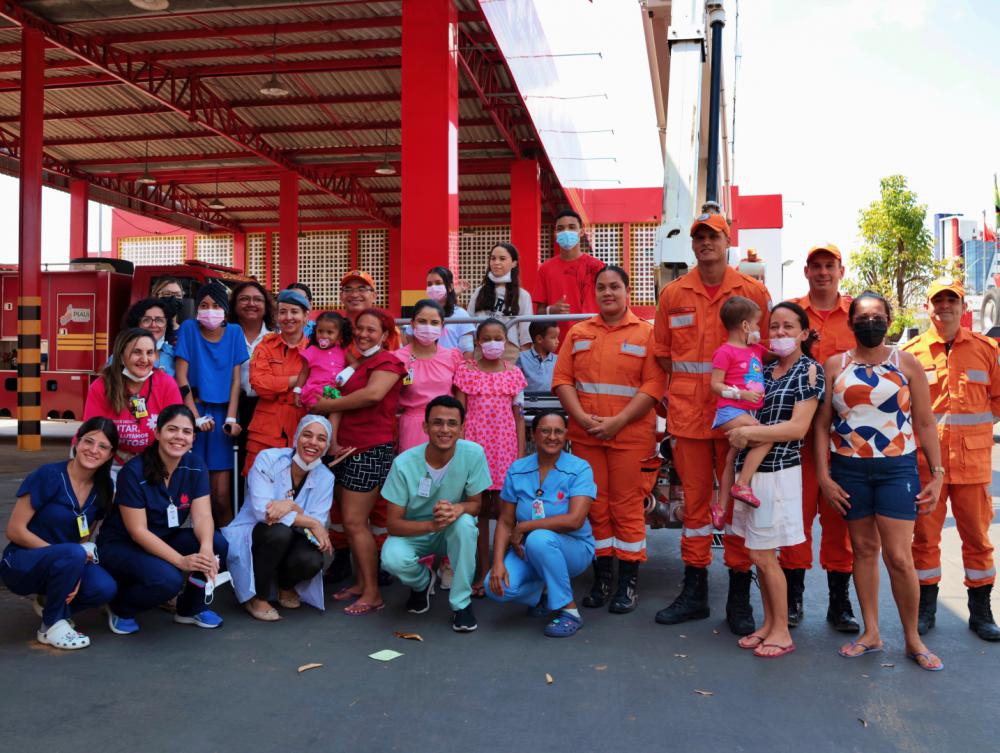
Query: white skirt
[778, 520]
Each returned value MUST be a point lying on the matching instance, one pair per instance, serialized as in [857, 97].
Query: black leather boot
[692, 603]
[796, 587]
[927, 615]
[600, 592]
[626, 598]
[739, 612]
[840, 614]
[980, 614]
[340, 568]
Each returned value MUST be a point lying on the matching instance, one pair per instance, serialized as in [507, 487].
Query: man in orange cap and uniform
[964, 374]
[686, 333]
[827, 310]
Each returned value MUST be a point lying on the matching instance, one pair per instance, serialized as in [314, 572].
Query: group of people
[390, 452]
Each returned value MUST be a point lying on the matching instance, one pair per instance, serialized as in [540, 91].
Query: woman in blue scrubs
[544, 523]
[143, 544]
[49, 553]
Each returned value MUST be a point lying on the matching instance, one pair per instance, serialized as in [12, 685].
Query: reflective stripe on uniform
[934, 572]
[630, 546]
[703, 531]
[692, 367]
[604, 543]
[963, 419]
[978, 376]
[980, 574]
[635, 350]
[682, 320]
[598, 388]
[582, 345]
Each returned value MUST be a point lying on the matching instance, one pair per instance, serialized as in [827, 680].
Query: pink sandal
[359, 608]
[745, 495]
[718, 514]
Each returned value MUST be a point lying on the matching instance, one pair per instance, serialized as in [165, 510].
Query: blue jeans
[550, 560]
[878, 486]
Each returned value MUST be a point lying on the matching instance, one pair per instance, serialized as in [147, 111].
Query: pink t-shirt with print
[744, 369]
[134, 434]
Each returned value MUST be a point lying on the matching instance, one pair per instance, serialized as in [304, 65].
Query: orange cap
[357, 274]
[943, 284]
[828, 247]
[714, 221]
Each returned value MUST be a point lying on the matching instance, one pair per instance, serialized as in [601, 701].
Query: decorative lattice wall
[642, 241]
[256, 248]
[214, 249]
[606, 242]
[324, 257]
[474, 246]
[151, 250]
[373, 258]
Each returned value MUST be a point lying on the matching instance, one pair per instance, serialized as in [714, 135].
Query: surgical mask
[871, 332]
[129, 375]
[324, 342]
[437, 292]
[211, 318]
[425, 334]
[303, 464]
[492, 349]
[753, 337]
[784, 346]
[371, 351]
[500, 279]
[567, 239]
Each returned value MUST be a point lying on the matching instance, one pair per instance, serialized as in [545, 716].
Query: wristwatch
[937, 469]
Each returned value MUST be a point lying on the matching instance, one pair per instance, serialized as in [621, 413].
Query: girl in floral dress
[490, 388]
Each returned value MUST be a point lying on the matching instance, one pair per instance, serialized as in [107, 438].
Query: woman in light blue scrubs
[544, 523]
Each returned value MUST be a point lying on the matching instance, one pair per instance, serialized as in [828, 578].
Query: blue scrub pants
[550, 560]
[145, 581]
[53, 572]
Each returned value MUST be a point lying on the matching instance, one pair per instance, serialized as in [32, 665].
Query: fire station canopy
[216, 100]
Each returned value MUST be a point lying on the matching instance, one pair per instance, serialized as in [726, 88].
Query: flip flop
[479, 592]
[359, 608]
[867, 649]
[346, 594]
[758, 638]
[926, 655]
[784, 650]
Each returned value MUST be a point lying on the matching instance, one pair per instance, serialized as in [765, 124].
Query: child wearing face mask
[491, 389]
[208, 349]
[324, 359]
[441, 290]
[738, 380]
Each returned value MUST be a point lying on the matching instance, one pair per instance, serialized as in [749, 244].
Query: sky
[831, 96]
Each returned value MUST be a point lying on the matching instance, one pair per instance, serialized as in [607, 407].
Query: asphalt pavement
[622, 683]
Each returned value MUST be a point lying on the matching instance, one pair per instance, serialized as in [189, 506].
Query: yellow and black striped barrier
[29, 373]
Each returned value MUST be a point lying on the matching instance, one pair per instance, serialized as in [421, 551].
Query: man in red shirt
[566, 283]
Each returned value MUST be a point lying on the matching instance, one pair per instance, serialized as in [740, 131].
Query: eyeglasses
[89, 442]
[156, 321]
[546, 431]
[450, 423]
[359, 289]
[245, 299]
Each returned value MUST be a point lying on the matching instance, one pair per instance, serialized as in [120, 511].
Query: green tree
[896, 256]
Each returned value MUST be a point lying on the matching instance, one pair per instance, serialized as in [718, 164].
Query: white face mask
[784, 346]
[753, 337]
[303, 464]
[129, 375]
[498, 280]
[372, 350]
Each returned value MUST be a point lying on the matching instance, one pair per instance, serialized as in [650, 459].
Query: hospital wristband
[230, 420]
[297, 390]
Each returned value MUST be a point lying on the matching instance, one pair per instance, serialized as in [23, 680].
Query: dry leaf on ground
[311, 665]
[408, 636]
[704, 692]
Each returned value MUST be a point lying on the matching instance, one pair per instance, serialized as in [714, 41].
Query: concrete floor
[622, 683]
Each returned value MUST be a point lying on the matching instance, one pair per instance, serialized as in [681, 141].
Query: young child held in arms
[738, 380]
[323, 361]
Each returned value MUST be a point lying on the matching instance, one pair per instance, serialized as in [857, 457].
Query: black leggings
[280, 550]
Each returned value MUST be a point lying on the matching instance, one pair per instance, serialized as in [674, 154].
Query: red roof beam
[50, 65]
[291, 66]
[383, 43]
[63, 82]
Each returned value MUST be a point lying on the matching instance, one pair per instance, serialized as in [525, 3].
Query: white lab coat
[270, 479]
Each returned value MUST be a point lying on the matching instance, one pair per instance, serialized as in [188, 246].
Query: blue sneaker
[121, 625]
[206, 619]
[563, 626]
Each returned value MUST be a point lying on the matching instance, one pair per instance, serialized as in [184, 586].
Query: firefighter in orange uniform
[964, 374]
[687, 331]
[827, 310]
[608, 380]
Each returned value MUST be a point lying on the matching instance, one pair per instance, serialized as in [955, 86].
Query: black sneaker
[420, 601]
[464, 620]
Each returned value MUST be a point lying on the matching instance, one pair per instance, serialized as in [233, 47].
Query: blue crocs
[121, 625]
[563, 626]
[206, 619]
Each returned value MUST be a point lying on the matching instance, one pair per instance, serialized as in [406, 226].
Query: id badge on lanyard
[408, 379]
[538, 507]
[172, 518]
[424, 487]
[137, 404]
[82, 525]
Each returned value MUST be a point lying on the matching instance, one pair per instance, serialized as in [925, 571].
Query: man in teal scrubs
[435, 490]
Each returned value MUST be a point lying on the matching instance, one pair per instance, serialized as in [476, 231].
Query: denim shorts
[726, 413]
[878, 486]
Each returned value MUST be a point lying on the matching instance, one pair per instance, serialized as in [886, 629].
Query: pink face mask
[211, 318]
[437, 292]
[425, 334]
[492, 349]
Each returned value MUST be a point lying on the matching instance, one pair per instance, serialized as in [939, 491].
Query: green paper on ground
[386, 654]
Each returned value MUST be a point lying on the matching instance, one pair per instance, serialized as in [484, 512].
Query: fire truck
[83, 304]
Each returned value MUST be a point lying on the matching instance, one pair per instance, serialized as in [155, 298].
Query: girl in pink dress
[490, 388]
[430, 371]
[323, 360]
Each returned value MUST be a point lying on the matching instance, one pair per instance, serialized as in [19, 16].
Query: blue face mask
[567, 239]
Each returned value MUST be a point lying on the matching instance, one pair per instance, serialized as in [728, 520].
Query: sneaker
[206, 619]
[420, 601]
[121, 625]
[464, 620]
[563, 626]
[445, 575]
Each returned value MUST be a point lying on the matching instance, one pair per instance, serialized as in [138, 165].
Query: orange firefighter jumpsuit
[276, 416]
[608, 365]
[687, 331]
[835, 553]
[965, 396]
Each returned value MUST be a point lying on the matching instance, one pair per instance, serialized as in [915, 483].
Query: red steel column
[288, 230]
[78, 218]
[29, 258]
[526, 217]
[395, 283]
[429, 170]
[240, 251]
